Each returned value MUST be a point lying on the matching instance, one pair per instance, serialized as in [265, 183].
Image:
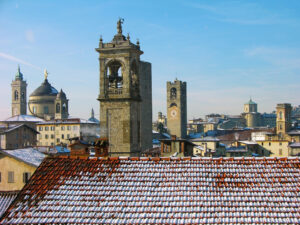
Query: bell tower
[177, 108]
[18, 88]
[125, 95]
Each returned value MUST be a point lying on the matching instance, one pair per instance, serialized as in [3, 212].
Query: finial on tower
[138, 42]
[119, 25]
[46, 74]
[128, 37]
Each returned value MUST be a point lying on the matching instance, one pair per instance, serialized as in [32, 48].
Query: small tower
[125, 96]
[250, 107]
[177, 108]
[18, 88]
[252, 117]
[283, 118]
[61, 106]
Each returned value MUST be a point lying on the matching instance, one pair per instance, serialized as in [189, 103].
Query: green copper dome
[19, 75]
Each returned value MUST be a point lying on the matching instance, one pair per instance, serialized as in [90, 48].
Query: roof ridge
[174, 158]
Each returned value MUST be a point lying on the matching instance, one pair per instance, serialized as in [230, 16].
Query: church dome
[45, 89]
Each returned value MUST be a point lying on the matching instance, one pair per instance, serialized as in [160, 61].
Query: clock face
[173, 113]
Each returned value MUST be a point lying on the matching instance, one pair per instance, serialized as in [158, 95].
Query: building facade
[177, 108]
[18, 88]
[125, 96]
[17, 136]
[17, 166]
[57, 132]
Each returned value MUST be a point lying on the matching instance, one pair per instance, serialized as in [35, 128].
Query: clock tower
[176, 108]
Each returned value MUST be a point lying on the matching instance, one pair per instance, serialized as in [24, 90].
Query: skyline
[232, 50]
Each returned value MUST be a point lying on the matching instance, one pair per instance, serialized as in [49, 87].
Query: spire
[92, 113]
[19, 75]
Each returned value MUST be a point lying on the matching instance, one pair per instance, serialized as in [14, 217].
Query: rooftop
[6, 198]
[160, 191]
[27, 155]
[24, 118]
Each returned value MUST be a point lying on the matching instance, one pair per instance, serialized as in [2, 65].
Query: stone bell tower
[125, 96]
[177, 108]
[18, 88]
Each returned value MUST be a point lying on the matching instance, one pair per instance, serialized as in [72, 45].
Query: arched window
[64, 108]
[173, 104]
[22, 95]
[16, 95]
[57, 108]
[280, 115]
[173, 93]
[114, 75]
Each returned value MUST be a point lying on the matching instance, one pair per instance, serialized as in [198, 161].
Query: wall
[276, 148]
[10, 164]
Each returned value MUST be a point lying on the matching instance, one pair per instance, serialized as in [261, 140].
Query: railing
[115, 91]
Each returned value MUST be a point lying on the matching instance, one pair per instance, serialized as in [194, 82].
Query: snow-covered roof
[160, 191]
[6, 198]
[24, 118]
[27, 155]
[207, 138]
[70, 120]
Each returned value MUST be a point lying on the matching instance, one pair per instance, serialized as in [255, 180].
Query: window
[46, 109]
[34, 109]
[280, 143]
[68, 136]
[57, 108]
[16, 95]
[46, 136]
[26, 177]
[280, 127]
[64, 108]
[75, 127]
[52, 136]
[52, 144]
[40, 128]
[62, 136]
[262, 144]
[68, 127]
[62, 128]
[23, 95]
[280, 115]
[11, 178]
[17, 136]
[173, 93]
[46, 128]
[52, 128]
[269, 143]
[57, 140]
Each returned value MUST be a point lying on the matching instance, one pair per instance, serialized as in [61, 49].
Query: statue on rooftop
[46, 74]
[119, 25]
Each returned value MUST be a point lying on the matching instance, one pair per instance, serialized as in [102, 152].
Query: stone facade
[125, 96]
[283, 119]
[18, 88]
[177, 108]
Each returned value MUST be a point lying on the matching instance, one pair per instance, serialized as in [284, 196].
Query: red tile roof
[160, 191]
[6, 198]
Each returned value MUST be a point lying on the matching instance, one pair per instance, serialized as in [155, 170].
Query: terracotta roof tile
[160, 191]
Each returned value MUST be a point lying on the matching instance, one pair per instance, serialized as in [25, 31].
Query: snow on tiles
[160, 191]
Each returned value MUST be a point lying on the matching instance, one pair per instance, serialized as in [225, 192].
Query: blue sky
[226, 51]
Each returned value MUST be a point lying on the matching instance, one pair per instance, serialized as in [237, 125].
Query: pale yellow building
[17, 166]
[275, 148]
[57, 132]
